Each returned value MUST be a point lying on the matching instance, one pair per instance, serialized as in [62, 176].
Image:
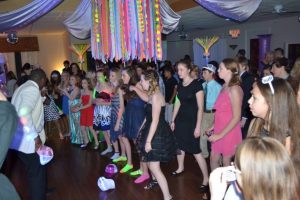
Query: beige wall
[54, 49]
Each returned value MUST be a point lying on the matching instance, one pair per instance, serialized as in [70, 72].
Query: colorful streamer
[127, 29]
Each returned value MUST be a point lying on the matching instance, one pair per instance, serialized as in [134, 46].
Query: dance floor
[73, 175]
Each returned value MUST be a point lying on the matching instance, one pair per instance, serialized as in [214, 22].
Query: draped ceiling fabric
[170, 19]
[79, 24]
[26, 15]
[237, 10]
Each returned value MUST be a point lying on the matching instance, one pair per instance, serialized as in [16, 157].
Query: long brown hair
[282, 118]
[152, 77]
[134, 79]
[267, 171]
[232, 65]
[117, 71]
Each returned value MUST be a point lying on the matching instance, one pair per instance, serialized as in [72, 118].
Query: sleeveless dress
[134, 117]
[163, 141]
[115, 107]
[74, 118]
[65, 105]
[86, 115]
[227, 145]
[102, 113]
[186, 119]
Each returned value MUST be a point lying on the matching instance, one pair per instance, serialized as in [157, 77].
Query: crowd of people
[240, 119]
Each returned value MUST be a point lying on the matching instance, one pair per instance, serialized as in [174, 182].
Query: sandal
[151, 185]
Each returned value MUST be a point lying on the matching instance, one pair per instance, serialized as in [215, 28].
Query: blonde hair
[295, 73]
[152, 77]
[232, 65]
[267, 172]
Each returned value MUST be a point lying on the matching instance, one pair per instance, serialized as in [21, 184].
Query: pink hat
[45, 153]
[110, 170]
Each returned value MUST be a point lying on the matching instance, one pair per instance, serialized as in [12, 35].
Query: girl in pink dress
[227, 130]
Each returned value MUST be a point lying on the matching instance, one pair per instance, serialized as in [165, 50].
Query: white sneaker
[115, 156]
[108, 150]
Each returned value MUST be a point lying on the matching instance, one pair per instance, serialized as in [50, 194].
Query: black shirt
[169, 88]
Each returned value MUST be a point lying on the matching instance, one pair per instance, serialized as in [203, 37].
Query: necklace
[185, 83]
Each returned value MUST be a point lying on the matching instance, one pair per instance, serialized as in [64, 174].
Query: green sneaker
[126, 168]
[136, 173]
[120, 159]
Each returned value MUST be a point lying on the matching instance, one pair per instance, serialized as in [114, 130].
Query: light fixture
[12, 37]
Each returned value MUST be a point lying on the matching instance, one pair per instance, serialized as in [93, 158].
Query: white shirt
[28, 102]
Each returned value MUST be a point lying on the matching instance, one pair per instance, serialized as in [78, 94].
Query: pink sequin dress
[228, 144]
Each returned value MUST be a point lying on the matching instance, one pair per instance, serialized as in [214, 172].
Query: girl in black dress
[186, 120]
[157, 139]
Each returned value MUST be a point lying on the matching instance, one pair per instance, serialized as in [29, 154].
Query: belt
[210, 111]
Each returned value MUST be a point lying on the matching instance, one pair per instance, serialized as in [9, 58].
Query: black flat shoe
[177, 173]
[151, 185]
[204, 188]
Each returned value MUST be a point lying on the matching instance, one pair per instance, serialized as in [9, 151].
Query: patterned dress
[102, 113]
[76, 135]
[115, 107]
[51, 111]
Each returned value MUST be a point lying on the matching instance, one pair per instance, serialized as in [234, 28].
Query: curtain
[237, 10]
[170, 19]
[79, 24]
[26, 15]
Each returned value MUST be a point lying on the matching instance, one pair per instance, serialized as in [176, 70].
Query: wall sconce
[234, 33]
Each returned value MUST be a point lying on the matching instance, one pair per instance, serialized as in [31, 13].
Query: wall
[284, 31]
[53, 50]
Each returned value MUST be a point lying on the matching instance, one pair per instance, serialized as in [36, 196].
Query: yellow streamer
[206, 43]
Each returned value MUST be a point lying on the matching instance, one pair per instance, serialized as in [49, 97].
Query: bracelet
[148, 142]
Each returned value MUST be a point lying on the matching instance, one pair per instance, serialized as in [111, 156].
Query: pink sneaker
[142, 178]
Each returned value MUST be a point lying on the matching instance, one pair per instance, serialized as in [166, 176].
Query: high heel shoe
[177, 173]
[204, 188]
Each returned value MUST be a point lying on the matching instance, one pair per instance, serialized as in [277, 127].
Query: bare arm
[73, 95]
[200, 99]
[121, 109]
[140, 92]
[175, 111]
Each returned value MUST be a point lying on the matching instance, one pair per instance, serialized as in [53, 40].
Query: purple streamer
[26, 15]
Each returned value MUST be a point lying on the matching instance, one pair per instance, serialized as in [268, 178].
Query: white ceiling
[200, 18]
[194, 18]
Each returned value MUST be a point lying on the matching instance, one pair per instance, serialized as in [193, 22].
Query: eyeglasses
[268, 80]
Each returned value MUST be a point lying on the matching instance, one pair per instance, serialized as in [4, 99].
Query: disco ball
[12, 38]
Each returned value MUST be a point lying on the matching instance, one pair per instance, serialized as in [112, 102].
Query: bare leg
[83, 130]
[94, 135]
[161, 179]
[226, 160]
[144, 168]
[180, 161]
[203, 166]
[122, 145]
[127, 150]
[107, 138]
[59, 129]
[116, 146]
[214, 160]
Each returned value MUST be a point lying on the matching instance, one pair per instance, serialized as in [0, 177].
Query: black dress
[186, 119]
[163, 141]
